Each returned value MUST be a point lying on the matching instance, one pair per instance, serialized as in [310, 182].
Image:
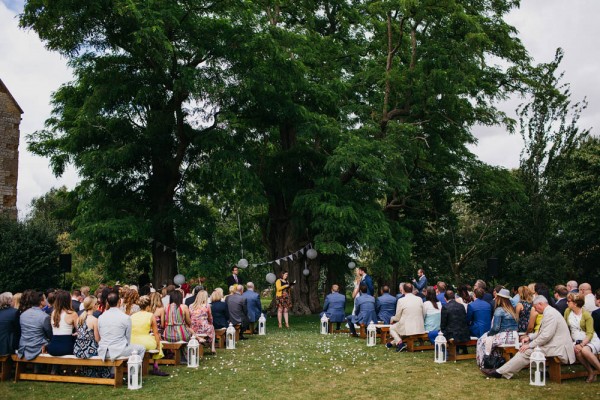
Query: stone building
[10, 119]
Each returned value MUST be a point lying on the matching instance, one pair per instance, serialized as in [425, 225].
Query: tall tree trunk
[164, 255]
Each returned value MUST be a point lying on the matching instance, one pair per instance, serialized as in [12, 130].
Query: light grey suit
[553, 338]
[408, 319]
[114, 327]
[36, 332]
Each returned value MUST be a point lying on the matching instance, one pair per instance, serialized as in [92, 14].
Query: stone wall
[10, 119]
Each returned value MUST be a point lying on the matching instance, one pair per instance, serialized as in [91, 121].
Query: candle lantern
[440, 348]
[537, 368]
[134, 371]
[262, 325]
[371, 334]
[192, 353]
[324, 325]
[230, 337]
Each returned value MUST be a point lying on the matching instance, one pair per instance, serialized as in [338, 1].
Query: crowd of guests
[113, 322]
[565, 324]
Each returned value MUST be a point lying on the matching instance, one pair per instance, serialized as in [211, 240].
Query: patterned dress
[87, 347]
[285, 300]
[200, 321]
[524, 316]
[174, 328]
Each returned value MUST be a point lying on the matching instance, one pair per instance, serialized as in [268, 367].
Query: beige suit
[553, 338]
[408, 319]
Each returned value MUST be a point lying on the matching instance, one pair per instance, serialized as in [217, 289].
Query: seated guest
[516, 297]
[252, 303]
[553, 339]
[585, 289]
[596, 314]
[143, 322]
[542, 290]
[479, 315]
[16, 300]
[572, 287]
[64, 320]
[190, 300]
[158, 310]
[560, 297]
[75, 299]
[454, 320]
[129, 301]
[385, 305]
[238, 309]
[408, 319]
[463, 296]
[401, 291]
[486, 295]
[334, 306]
[219, 310]
[503, 324]
[50, 293]
[178, 324]
[36, 330]
[114, 327]
[10, 330]
[86, 342]
[523, 308]
[202, 320]
[364, 310]
[440, 289]
[581, 325]
[432, 313]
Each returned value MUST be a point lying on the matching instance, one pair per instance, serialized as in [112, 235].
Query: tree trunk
[164, 255]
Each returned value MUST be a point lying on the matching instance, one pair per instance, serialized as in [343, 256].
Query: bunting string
[290, 257]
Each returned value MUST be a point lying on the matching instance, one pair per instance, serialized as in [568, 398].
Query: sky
[32, 73]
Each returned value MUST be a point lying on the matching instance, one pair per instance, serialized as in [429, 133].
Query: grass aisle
[301, 364]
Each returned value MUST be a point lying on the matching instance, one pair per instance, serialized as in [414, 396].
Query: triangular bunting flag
[277, 261]
[291, 257]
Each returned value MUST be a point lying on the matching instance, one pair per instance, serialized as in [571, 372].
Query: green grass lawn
[299, 363]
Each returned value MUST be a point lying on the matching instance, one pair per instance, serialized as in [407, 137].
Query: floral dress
[175, 329]
[524, 316]
[87, 347]
[200, 321]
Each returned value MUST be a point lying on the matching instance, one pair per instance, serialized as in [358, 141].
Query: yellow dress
[141, 325]
[538, 322]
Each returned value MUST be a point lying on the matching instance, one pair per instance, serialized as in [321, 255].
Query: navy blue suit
[479, 317]
[253, 304]
[386, 307]
[367, 280]
[365, 311]
[334, 306]
[421, 283]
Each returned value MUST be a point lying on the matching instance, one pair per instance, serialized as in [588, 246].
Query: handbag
[493, 361]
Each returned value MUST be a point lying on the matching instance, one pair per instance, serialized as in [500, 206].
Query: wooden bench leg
[6, 367]
[554, 369]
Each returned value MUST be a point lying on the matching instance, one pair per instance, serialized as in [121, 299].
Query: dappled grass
[299, 363]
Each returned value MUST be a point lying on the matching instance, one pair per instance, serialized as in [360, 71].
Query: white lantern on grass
[192, 353]
[262, 325]
[371, 335]
[230, 337]
[537, 368]
[134, 371]
[324, 325]
[440, 348]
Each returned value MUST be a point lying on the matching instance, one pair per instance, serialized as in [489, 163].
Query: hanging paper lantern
[243, 263]
[306, 272]
[271, 278]
[351, 265]
[311, 254]
[179, 279]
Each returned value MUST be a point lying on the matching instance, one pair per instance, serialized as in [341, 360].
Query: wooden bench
[332, 330]
[420, 338]
[220, 338]
[120, 368]
[176, 348]
[383, 332]
[250, 330]
[453, 354]
[5, 367]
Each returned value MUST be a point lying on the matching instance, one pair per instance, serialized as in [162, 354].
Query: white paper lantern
[243, 263]
[134, 371]
[306, 272]
[537, 368]
[230, 337]
[440, 348]
[351, 264]
[324, 325]
[179, 279]
[271, 278]
[311, 254]
[192, 353]
[262, 325]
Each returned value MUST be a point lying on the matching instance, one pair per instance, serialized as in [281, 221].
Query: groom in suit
[367, 280]
[553, 338]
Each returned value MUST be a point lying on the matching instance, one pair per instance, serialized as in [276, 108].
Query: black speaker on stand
[492, 268]
[64, 263]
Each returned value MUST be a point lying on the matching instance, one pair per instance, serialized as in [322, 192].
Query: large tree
[136, 116]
